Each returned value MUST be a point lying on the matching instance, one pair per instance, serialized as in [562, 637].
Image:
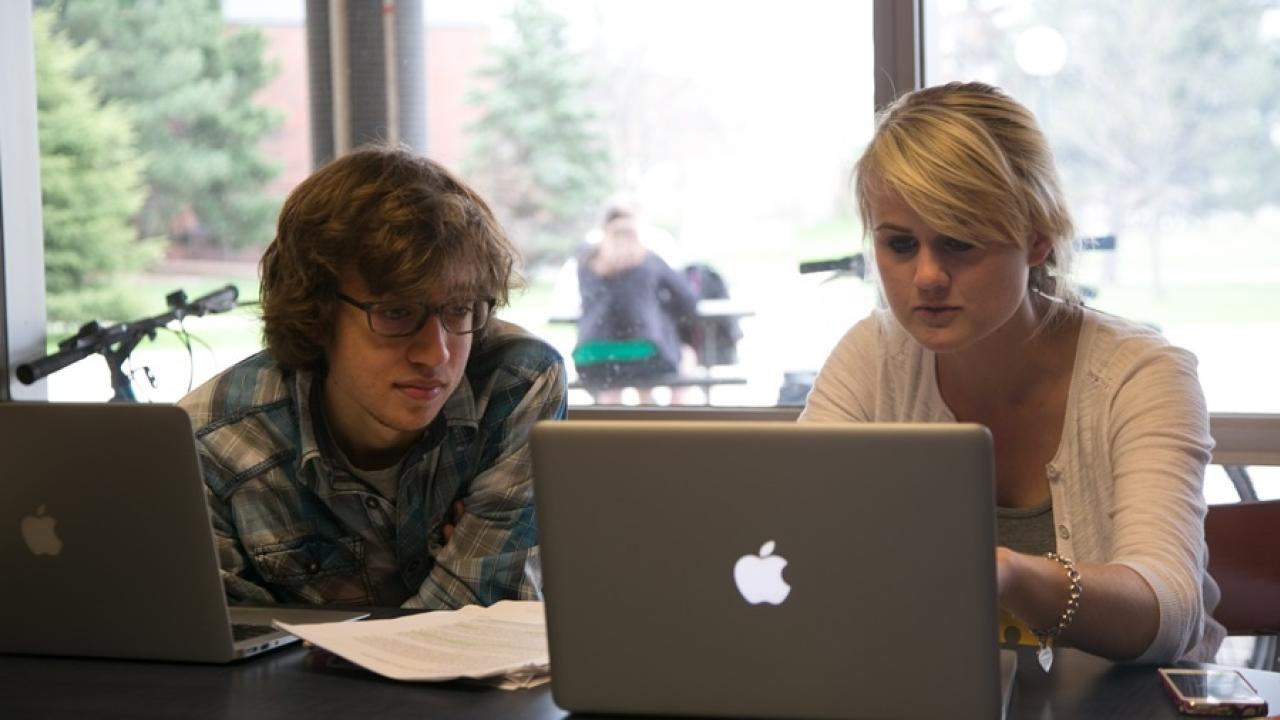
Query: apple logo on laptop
[38, 533]
[759, 577]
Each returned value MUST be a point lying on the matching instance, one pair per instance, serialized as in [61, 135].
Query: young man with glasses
[376, 453]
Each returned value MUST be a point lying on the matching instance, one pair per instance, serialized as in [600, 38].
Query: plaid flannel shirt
[293, 524]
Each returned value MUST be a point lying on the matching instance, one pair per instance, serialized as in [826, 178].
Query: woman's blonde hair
[403, 223]
[973, 163]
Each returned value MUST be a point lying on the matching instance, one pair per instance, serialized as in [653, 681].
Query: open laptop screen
[768, 569]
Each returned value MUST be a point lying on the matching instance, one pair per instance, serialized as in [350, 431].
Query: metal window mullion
[22, 287]
[898, 39]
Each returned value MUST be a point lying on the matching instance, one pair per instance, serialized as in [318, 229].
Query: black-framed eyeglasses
[402, 318]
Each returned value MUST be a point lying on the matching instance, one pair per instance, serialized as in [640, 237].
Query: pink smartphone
[1213, 692]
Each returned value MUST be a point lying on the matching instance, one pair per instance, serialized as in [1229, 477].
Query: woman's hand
[1033, 588]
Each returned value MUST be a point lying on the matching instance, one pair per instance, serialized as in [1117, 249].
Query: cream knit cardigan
[1126, 481]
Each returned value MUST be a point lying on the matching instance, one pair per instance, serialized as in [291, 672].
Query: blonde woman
[1099, 425]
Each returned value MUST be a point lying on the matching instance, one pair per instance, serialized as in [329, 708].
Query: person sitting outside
[636, 313]
[376, 452]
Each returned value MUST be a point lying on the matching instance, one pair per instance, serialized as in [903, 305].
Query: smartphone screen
[1213, 685]
[1213, 692]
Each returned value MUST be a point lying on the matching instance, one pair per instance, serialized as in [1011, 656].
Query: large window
[170, 133]
[1165, 120]
[166, 142]
[730, 128]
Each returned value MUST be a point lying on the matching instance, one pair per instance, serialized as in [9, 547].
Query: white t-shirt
[1126, 480]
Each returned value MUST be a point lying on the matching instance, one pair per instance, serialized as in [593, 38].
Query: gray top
[1026, 530]
[384, 481]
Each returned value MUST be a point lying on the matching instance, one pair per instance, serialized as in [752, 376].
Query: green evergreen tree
[91, 182]
[190, 85]
[536, 152]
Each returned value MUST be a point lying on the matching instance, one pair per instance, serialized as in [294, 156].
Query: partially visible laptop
[663, 547]
[106, 546]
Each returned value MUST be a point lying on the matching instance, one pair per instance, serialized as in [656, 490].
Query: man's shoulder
[254, 386]
[516, 377]
[507, 347]
[246, 422]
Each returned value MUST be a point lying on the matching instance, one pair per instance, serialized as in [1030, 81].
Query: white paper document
[505, 644]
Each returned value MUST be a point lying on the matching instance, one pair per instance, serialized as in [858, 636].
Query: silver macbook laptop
[774, 570]
[106, 547]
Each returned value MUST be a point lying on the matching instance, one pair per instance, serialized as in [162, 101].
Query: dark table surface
[292, 683]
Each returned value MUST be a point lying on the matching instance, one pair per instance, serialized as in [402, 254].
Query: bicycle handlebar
[50, 364]
[853, 264]
[93, 338]
[218, 301]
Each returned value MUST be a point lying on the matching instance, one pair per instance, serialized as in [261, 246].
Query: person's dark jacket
[647, 302]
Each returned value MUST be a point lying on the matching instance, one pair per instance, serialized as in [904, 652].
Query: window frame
[1241, 439]
[22, 287]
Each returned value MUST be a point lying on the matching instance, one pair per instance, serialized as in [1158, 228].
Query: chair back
[1244, 559]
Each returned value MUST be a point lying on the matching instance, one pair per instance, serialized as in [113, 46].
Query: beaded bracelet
[1075, 589]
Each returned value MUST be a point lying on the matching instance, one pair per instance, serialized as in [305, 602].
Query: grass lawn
[1208, 303]
[1216, 272]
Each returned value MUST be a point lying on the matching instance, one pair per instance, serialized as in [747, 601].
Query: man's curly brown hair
[404, 223]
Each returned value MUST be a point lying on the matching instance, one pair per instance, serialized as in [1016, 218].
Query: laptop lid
[106, 546]
[769, 569]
